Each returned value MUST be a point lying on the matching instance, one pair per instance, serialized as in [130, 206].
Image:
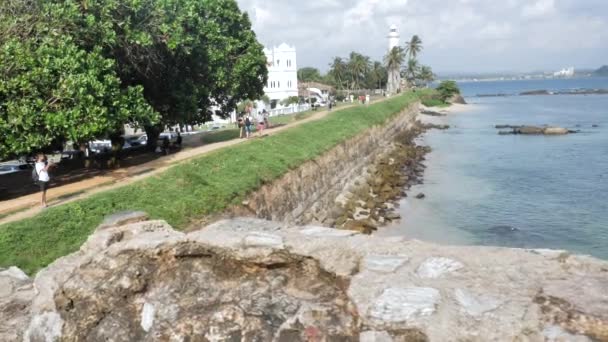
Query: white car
[6, 169]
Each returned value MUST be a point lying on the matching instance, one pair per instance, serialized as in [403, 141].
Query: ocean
[511, 190]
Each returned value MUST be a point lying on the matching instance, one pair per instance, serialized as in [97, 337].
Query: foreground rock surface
[254, 280]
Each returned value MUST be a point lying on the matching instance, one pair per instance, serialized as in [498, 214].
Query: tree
[188, 56]
[426, 75]
[413, 47]
[376, 76]
[411, 71]
[338, 72]
[53, 91]
[245, 106]
[309, 74]
[393, 61]
[358, 66]
[265, 99]
[447, 89]
[290, 100]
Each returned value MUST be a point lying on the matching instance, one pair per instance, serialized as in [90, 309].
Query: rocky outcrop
[457, 98]
[254, 280]
[373, 200]
[534, 130]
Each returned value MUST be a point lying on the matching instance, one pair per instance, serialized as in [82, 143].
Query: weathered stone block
[400, 305]
[437, 267]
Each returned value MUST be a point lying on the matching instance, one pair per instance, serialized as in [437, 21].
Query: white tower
[393, 38]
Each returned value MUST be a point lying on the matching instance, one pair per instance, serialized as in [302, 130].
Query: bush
[447, 89]
[432, 102]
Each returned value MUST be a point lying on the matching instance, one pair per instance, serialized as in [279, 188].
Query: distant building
[282, 72]
[569, 72]
[319, 91]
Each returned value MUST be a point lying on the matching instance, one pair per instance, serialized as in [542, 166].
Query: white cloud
[538, 8]
[462, 35]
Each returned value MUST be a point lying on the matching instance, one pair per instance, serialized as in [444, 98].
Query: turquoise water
[516, 191]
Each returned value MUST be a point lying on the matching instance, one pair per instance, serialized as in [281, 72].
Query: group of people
[246, 123]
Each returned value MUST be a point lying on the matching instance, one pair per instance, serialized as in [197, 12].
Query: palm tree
[413, 47]
[377, 75]
[412, 71]
[393, 61]
[337, 70]
[358, 65]
[426, 75]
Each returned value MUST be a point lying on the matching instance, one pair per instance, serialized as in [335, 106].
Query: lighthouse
[393, 37]
[394, 76]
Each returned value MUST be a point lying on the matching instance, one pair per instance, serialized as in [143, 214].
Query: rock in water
[555, 131]
[535, 92]
[528, 130]
[457, 98]
[420, 196]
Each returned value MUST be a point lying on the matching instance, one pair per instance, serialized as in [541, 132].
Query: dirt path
[27, 206]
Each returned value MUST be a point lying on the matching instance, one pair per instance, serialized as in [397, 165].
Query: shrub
[432, 102]
[447, 89]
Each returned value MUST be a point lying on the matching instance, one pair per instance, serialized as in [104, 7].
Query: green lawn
[220, 135]
[190, 190]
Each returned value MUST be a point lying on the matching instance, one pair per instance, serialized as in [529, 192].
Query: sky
[459, 36]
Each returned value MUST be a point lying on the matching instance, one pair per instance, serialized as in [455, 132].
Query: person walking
[241, 126]
[266, 118]
[166, 145]
[42, 175]
[260, 120]
[248, 124]
[178, 140]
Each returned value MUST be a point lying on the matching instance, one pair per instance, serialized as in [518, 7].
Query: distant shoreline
[545, 92]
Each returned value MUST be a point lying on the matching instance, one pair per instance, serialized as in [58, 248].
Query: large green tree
[52, 91]
[191, 57]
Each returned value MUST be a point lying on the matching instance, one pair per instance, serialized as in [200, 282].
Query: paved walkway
[27, 206]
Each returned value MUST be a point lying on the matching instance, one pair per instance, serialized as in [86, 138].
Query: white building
[569, 72]
[282, 72]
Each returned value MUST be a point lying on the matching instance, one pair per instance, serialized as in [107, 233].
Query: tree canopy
[356, 72]
[308, 74]
[447, 89]
[154, 62]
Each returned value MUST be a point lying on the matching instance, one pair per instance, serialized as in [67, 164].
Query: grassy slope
[203, 186]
